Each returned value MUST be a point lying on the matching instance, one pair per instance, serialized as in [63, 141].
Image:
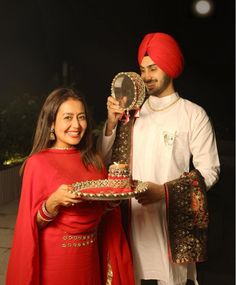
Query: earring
[52, 136]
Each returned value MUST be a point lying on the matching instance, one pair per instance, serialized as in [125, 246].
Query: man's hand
[154, 194]
[114, 111]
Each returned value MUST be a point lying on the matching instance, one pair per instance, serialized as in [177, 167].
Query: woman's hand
[114, 111]
[63, 196]
[155, 193]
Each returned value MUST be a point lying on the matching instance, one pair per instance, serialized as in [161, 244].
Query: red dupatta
[115, 252]
[24, 261]
[23, 266]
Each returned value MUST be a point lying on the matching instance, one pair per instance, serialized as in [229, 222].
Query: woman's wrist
[52, 212]
[51, 207]
[44, 216]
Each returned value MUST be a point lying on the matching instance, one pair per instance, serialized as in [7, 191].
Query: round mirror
[129, 89]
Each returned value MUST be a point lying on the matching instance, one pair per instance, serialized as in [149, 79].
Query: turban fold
[164, 51]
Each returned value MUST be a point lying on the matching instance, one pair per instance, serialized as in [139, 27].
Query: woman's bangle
[44, 214]
[42, 217]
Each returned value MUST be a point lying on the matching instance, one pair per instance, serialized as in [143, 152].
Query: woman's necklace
[161, 109]
[62, 148]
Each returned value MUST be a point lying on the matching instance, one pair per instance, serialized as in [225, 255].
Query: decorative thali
[106, 189]
[129, 89]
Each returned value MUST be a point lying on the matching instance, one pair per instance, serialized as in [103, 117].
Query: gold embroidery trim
[187, 218]
[100, 183]
[109, 272]
[135, 186]
[78, 240]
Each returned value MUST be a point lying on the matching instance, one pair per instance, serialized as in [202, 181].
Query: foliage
[17, 125]
[98, 129]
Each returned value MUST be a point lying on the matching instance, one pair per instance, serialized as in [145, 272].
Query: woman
[58, 236]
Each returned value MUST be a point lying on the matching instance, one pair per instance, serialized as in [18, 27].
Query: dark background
[98, 39]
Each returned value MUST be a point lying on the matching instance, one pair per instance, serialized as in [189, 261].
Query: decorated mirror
[129, 89]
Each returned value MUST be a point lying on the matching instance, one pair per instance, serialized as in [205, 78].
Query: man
[169, 133]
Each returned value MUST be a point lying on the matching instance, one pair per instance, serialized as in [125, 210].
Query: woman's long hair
[48, 115]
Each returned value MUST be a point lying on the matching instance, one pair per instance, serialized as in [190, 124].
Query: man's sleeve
[104, 145]
[187, 218]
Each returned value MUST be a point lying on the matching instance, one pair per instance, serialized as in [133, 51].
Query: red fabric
[116, 247]
[38, 258]
[164, 51]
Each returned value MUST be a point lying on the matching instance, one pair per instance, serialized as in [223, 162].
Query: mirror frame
[139, 89]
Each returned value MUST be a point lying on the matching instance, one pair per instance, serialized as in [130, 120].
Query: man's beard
[157, 91]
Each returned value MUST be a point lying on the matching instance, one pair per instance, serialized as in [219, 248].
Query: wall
[10, 184]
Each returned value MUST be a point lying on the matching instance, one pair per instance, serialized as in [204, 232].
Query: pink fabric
[164, 51]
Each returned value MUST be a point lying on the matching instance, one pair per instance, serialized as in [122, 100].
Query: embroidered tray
[106, 189]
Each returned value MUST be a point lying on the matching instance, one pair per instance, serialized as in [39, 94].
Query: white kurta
[163, 144]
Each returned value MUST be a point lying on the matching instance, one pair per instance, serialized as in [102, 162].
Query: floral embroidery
[188, 218]
[168, 138]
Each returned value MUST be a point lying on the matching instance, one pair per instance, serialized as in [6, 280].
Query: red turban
[164, 51]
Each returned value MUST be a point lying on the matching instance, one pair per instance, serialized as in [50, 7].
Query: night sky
[99, 40]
